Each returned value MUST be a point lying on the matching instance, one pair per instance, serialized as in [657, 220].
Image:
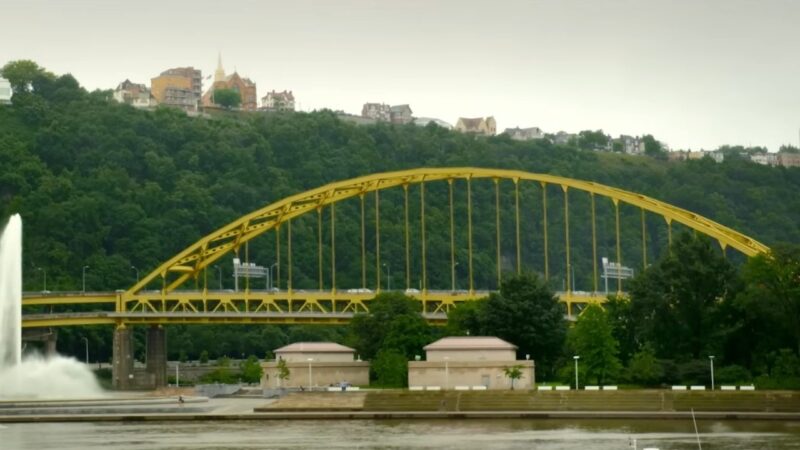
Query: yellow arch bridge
[178, 291]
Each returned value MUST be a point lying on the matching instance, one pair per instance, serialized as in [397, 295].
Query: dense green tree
[643, 368]
[623, 325]
[227, 98]
[526, 313]
[22, 74]
[773, 280]
[251, 370]
[394, 322]
[652, 147]
[592, 140]
[593, 340]
[676, 302]
[391, 368]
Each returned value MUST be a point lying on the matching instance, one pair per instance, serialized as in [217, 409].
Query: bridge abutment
[122, 364]
[157, 355]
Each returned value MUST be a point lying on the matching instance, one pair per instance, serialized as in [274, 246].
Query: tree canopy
[227, 98]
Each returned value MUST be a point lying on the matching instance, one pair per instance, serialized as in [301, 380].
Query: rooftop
[315, 347]
[470, 343]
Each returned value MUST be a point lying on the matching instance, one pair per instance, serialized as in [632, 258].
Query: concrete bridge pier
[48, 336]
[122, 363]
[157, 355]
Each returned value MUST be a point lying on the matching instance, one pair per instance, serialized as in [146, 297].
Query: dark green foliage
[593, 340]
[644, 369]
[393, 323]
[680, 297]
[526, 313]
[223, 373]
[204, 357]
[251, 370]
[227, 98]
[391, 368]
[733, 374]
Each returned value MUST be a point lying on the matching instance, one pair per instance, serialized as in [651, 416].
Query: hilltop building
[134, 94]
[278, 101]
[480, 126]
[244, 86]
[469, 362]
[179, 87]
[766, 158]
[315, 364]
[5, 92]
[631, 145]
[381, 112]
[786, 159]
[401, 114]
[524, 134]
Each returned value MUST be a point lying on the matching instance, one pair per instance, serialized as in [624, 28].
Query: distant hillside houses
[381, 112]
[483, 126]
[134, 94]
[524, 134]
[784, 158]
[277, 101]
[631, 145]
[683, 155]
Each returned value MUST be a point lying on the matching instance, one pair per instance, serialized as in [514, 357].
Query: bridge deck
[243, 307]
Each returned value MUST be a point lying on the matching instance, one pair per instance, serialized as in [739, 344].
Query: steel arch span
[189, 263]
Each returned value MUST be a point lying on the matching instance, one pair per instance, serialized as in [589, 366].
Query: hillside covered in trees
[104, 185]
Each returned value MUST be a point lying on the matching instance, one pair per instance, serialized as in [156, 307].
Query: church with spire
[244, 86]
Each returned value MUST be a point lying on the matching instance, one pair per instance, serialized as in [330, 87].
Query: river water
[406, 434]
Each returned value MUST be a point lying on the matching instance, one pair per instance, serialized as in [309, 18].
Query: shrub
[732, 374]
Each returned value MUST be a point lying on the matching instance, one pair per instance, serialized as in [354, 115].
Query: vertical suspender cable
[469, 233]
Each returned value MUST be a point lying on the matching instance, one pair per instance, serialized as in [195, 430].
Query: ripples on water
[436, 434]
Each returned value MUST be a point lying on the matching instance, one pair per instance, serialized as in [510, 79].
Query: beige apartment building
[469, 362]
[315, 364]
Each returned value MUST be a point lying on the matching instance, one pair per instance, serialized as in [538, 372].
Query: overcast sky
[695, 74]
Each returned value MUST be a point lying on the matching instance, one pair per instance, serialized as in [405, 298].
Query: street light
[453, 278]
[86, 340]
[711, 361]
[219, 270]
[137, 273]
[84, 278]
[446, 373]
[576, 358]
[310, 376]
[44, 272]
[388, 276]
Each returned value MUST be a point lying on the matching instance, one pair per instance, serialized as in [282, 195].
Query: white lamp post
[137, 273]
[576, 358]
[310, 375]
[711, 361]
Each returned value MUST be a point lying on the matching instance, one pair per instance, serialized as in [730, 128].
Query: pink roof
[315, 347]
[470, 343]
